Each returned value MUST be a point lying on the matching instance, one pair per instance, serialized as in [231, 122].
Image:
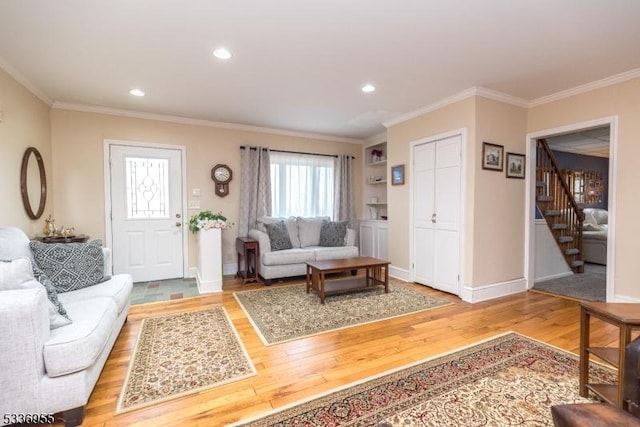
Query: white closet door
[437, 195]
[424, 175]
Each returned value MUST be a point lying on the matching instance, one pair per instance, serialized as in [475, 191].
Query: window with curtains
[301, 184]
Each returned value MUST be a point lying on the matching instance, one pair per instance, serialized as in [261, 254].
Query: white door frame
[530, 203]
[107, 192]
[462, 217]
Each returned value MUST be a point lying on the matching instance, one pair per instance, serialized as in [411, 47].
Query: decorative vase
[209, 274]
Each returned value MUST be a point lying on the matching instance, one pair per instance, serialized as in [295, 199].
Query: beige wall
[26, 123]
[493, 204]
[78, 156]
[621, 100]
[499, 207]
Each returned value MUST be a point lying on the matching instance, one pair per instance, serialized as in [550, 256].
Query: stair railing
[555, 201]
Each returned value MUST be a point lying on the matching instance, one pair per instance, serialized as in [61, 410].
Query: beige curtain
[255, 187]
[344, 202]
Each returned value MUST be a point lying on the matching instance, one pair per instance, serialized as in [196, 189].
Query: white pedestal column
[209, 274]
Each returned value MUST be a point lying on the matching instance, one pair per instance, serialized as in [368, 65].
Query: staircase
[555, 201]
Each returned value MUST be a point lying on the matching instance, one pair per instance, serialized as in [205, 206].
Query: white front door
[146, 212]
[436, 187]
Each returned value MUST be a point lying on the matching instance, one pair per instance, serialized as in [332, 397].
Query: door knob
[178, 215]
[178, 224]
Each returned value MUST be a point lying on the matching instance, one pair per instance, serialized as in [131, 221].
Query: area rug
[182, 354]
[286, 313]
[506, 380]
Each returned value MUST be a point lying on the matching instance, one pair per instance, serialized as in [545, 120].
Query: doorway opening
[584, 153]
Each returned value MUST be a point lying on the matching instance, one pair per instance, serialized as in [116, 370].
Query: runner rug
[183, 354]
[285, 313]
[506, 380]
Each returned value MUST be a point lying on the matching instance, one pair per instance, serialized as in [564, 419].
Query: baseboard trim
[494, 290]
[229, 269]
[399, 273]
[553, 276]
[624, 298]
[208, 286]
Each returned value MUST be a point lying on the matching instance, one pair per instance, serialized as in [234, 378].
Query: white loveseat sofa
[46, 368]
[595, 230]
[304, 234]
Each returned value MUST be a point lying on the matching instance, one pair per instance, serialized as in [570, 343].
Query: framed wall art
[397, 175]
[515, 165]
[492, 156]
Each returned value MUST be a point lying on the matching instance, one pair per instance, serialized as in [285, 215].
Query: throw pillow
[332, 233]
[591, 227]
[70, 266]
[279, 236]
[13, 243]
[291, 223]
[18, 274]
[59, 316]
[309, 230]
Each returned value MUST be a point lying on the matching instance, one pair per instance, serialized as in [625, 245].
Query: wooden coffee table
[377, 274]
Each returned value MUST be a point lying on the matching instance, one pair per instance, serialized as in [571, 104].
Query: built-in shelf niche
[375, 180]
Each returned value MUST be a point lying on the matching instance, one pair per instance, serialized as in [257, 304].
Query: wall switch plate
[194, 204]
[195, 192]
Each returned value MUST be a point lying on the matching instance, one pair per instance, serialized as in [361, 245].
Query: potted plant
[208, 226]
[206, 220]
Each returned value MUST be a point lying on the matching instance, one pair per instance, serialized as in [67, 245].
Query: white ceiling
[592, 142]
[299, 65]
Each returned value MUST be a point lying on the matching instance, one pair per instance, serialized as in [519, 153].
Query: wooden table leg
[308, 278]
[625, 338]
[386, 279]
[321, 287]
[584, 356]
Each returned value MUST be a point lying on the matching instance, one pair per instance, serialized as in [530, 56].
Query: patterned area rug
[507, 380]
[183, 354]
[286, 313]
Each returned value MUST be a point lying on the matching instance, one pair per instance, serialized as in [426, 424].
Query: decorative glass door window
[147, 188]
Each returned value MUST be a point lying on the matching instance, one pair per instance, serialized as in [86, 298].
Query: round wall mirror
[33, 182]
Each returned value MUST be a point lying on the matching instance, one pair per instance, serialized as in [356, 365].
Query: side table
[78, 238]
[248, 250]
[622, 315]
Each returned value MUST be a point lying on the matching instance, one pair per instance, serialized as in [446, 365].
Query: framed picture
[515, 165]
[397, 175]
[492, 156]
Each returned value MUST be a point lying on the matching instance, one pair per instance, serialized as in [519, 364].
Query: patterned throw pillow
[332, 233]
[70, 266]
[279, 236]
[62, 318]
[20, 273]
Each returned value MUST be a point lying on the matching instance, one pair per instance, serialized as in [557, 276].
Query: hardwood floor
[299, 369]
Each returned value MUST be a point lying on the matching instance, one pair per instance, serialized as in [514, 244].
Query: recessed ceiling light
[136, 92]
[368, 88]
[222, 53]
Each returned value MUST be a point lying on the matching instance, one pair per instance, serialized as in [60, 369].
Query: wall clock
[221, 175]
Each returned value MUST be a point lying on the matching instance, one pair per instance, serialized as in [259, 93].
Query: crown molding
[468, 93]
[376, 139]
[431, 107]
[198, 122]
[502, 97]
[588, 87]
[25, 82]
[509, 99]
